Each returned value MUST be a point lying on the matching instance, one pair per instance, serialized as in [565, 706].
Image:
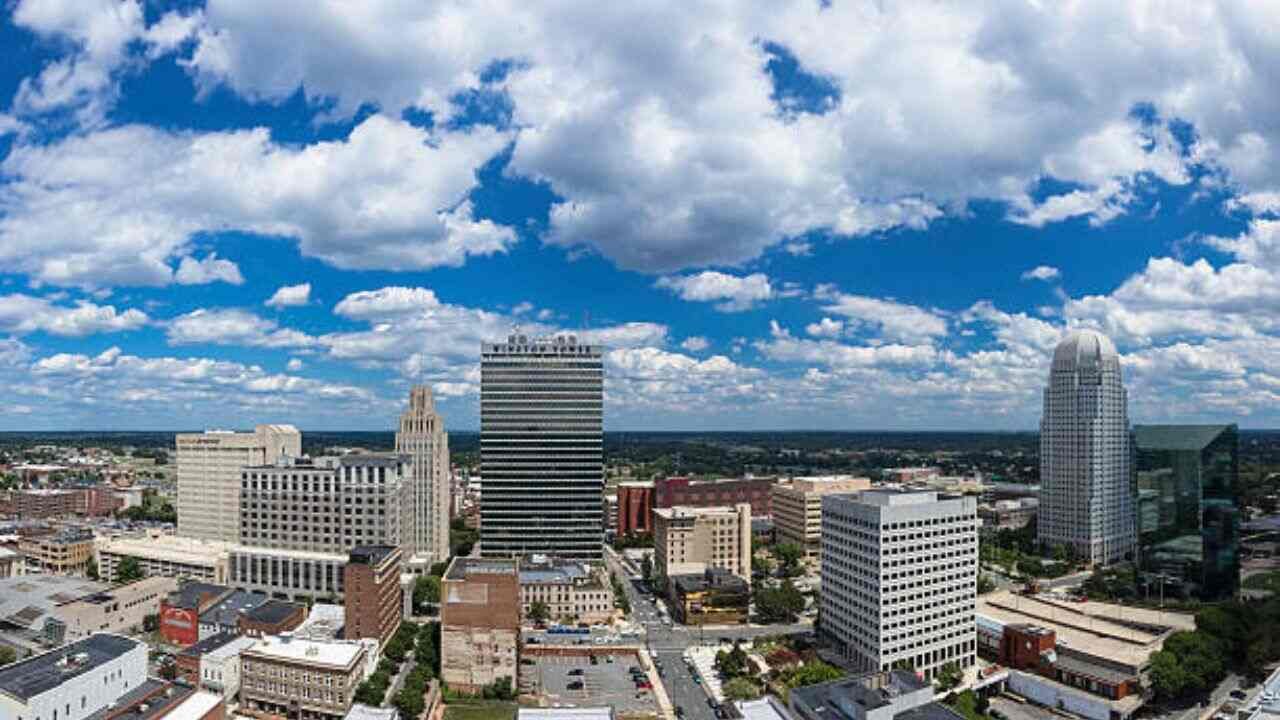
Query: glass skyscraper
[1188, 519]
[542, 447]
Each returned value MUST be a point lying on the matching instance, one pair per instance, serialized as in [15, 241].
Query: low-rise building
[121, 609]
[479, 622]
[160, 700]
[1007, 514]
[44, 503]
[371, 581]
[689, 540]
[29, 604]
[225, 615]
[570, 590]
[293, 677]
[189, 660]
[180, 611]
[166, 555]
[880, 695]
[715, 597]
[74, 681]
[797, 508]
[66, 552]
[909, 474]
[220, 667]
[273, 617]
[324, 622]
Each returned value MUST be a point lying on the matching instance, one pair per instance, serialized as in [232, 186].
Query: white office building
[899, 579]
[422, 437]
[542, 448]
[74, 681]
[1086, 493]
[209, 475]
[220, 667]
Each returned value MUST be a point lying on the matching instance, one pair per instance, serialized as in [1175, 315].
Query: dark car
[679, 711]
[576, 671]
[575, 685]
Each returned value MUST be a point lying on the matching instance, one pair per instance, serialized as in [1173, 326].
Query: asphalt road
[667, 643]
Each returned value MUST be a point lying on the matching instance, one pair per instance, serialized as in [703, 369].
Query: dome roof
[1085, 350]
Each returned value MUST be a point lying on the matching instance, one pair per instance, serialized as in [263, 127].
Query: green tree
[789, 555]
[426, 594]
[812, 673]
[539, 612]
[91, 570]
[1168, 679]
[733, 663]
[949, 676]
[7, 655]
[778, 605]
[741, 688]
[151, 622]
[129, 571]
[646, 568]
[985, 584]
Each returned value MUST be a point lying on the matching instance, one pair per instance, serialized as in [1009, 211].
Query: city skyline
[199, 226]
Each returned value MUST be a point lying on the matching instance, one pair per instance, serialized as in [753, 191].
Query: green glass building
[1188, 518]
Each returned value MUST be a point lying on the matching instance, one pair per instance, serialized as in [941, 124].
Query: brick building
[479, 623]
[180, 611]
[296, 678]
[272, 617]
[635, 508]
[721, 492]
[371, 578]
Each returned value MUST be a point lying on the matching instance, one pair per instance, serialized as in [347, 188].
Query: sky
[774, 215]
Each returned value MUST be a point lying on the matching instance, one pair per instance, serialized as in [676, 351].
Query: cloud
[233, 326]
[631, 334]
[116, 206]
[294, 365]
[696, 343]
[209, 269]
[826, 328]
[290, 296]
[703, 160]
[1042, 272]
[786, 348]
[99, 34]
[23, 314]
[888, 318]
[731, 292]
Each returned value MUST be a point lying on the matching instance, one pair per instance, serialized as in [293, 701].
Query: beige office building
[797, 507]
[422, 437]
[292, 677]
[690, 540]
[166, 556]
[209, 466]
[119, 610]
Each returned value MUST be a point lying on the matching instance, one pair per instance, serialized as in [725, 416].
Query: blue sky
[776, 216]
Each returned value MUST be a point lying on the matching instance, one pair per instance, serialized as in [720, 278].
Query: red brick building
[756, 491]
[1034, 649]
[635, 508]
[97, 501]
[180, 611]
[272, 617]
[371, 589]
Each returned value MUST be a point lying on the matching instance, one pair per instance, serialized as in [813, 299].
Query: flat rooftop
[33, 676]
[334, 653]
[168, 548]
[370, 554]
[584, 713]
[25, 600]
[462, 567]
[273, 612]
[1124, 613]
[228, 610]
[1091, 636]
[209, 644]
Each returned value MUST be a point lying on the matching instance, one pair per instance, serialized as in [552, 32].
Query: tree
[129, 571]
[646, 568]
[91, 571]
[789, 555]
[539, 612]
[780, 604]
[741, 688]
[151, 622]
[985, 584]
[426, 594]
[7, 655]
[733, 663]
[1168, 679]
[949, 676]
[812, 673]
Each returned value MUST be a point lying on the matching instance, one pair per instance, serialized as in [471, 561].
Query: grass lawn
[1264, 581]
[480, 710]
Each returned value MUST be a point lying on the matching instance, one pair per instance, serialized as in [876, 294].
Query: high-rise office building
[1188, 519]
[899, 579]
[1086, 489]
[209, 475]
[422, 437]
[542, 447]
[302, 517]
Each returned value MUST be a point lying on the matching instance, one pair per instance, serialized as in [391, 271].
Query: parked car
[575, 685]
[576, 671]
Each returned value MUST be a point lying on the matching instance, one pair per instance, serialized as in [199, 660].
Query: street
[667, 643]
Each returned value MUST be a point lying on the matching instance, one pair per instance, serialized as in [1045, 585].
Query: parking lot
[604, 683]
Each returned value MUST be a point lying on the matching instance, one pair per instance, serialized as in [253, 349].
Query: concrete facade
[118, 610]
[689, 541]
[208, 474]
[421, 436]
[67, 552]
[1086, 498]
[899, 579]
[569, 590]
[167, 556]
[797, 508]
